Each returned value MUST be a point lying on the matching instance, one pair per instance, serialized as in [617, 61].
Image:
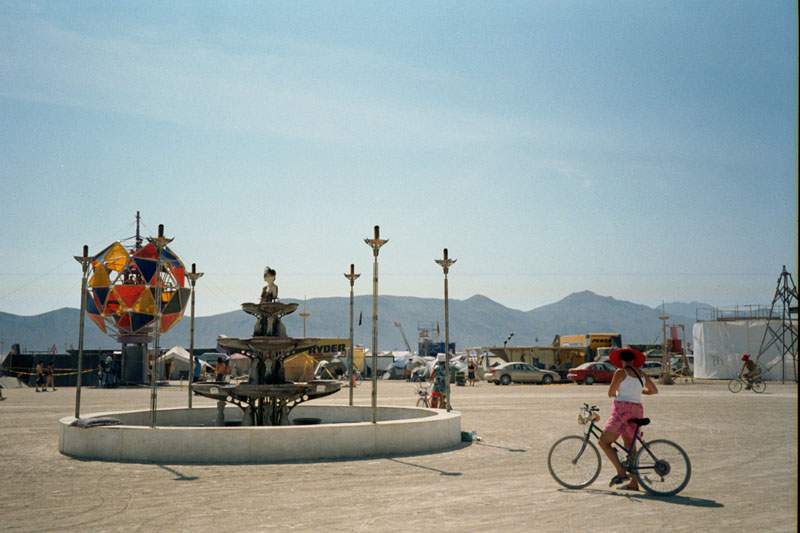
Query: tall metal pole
[304, 315]
[375, 243]
[84, 260]
[352, 276]
[193, 276]
[666, 378]
[160, 243]
[445, 263]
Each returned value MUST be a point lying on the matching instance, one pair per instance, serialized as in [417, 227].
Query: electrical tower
[784, 334]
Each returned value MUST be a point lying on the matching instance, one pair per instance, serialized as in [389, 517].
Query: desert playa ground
[743, 449]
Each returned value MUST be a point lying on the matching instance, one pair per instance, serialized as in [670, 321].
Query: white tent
[180, 361]
[719, 346]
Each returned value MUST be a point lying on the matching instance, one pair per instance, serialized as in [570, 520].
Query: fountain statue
[266, 398]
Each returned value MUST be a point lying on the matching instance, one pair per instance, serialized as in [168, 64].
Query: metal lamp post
[375, 243]
[445, 263]
[84, 260]
[160, 243]
[352, 276]
[193, 276]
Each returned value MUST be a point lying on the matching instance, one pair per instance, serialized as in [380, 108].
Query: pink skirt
[621, 412]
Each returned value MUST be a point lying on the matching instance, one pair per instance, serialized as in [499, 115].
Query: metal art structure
[193, 277]
[445, 263]
[84, 260]
[784, 335]
[375, 243]
[352, 277]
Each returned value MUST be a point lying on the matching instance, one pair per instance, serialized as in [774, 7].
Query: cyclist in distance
[748, 371]
[627, 387]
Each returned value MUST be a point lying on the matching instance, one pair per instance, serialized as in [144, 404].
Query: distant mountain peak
[583, 296]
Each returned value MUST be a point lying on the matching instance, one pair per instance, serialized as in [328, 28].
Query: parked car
[652, 368]
[506, 373]
[589, 373]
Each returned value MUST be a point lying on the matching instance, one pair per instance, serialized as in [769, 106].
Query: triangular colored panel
[147, 252]
[112, 304]
[180, 274]
[124, 321]
[97, 319]
[167, 321]
[102, 254]
[145, 303]
[128, 294]
[174, 302]
[147, 267]
[116, 258]
[168, 255]
[100, 277]
[100, 293]
[91, 305]
[185, 295]
[139, 320]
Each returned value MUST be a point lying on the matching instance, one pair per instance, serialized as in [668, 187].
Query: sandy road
[743, 449]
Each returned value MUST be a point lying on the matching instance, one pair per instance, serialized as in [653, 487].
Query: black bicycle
[661, 466]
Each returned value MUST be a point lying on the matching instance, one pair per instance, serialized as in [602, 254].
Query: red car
[592, 372]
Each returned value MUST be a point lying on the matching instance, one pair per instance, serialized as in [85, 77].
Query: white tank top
[630, 390]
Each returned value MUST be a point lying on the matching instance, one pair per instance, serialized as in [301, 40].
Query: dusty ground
[743, 449]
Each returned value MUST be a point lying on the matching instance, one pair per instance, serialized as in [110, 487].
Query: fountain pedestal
[267, 398]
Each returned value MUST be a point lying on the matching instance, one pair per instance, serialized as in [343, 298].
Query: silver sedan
[506, 373]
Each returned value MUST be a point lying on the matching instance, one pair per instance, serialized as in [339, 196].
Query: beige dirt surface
[743, 449]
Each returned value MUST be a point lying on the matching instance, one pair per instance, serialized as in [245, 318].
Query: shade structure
[122, 296]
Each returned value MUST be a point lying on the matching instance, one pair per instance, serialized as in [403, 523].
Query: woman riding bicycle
[749, 371]
[627, 387]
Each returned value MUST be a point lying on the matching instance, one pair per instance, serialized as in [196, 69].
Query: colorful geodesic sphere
[121, 298]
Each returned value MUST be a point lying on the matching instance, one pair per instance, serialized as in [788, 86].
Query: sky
[641, 150]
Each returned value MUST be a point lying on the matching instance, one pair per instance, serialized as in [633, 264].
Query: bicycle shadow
[677, 499]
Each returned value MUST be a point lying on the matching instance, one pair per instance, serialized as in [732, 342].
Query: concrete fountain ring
[186, 436]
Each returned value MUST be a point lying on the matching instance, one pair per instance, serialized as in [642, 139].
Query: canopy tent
[719, 346]
[179, 360]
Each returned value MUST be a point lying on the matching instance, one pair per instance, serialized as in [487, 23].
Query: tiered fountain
[261, 421]
[267, 398]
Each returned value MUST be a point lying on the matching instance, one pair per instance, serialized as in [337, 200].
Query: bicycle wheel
[735, 385]
[572, 464]
[423, 402]
[759, 386]
[663, 468]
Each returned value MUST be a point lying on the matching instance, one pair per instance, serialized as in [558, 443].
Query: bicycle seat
[639, 421]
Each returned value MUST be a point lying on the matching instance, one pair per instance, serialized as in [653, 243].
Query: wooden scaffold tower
[782, 325]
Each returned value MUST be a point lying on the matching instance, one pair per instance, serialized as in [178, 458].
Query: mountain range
[476, 321]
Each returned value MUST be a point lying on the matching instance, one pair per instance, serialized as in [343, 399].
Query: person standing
[627, 386]
[438, 399]
[471, 368]
[50, 375]
[40, 377]
[409, 367]
[196, 371]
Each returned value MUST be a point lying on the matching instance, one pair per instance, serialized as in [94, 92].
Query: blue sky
[642, 150]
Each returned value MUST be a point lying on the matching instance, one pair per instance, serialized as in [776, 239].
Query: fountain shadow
[180, 476]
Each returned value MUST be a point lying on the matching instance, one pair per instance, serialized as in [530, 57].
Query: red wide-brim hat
[638, 357]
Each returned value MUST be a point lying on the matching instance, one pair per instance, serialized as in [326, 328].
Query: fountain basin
[189, 436]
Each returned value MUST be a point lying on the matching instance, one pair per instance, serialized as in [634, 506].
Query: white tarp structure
[718, 349]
